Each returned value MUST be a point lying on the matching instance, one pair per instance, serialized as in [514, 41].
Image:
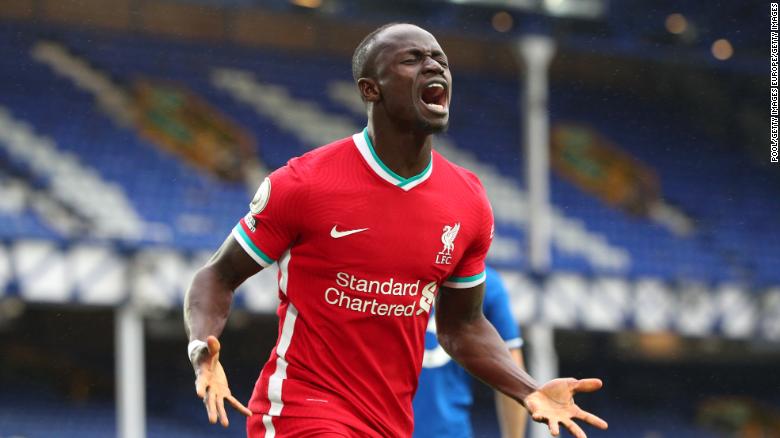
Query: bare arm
[206, 309]
[473, 342]
[512, 418]
[207, 302]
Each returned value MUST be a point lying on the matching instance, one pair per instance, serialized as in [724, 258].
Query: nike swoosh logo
[336, 234]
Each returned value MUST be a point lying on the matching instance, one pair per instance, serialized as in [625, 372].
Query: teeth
[435, 85]
[435, 107]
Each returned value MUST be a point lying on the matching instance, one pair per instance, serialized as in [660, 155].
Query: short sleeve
[470, 271]
[273, 221]
[498, 310]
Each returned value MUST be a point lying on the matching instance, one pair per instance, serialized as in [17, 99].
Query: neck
[406, 152]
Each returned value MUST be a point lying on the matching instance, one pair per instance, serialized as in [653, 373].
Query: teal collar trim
[398, 179]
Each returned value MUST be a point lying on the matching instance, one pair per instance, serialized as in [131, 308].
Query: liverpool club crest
[448, 235]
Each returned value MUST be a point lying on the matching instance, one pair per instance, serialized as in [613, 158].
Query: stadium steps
[151, 177]
[69, 181]
[738, 247]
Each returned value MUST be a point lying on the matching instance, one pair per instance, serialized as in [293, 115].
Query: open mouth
[434, 97]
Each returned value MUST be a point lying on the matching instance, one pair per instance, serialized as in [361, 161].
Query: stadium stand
[16, 213]
[96, 420]
[289, 113]
[173, 413]
[666, 286]
[75, 400]
[105, 160]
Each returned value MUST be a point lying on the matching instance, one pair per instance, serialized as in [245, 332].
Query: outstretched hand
[553, 403]
[212, 386]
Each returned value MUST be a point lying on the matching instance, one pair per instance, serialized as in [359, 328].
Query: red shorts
[265, 426]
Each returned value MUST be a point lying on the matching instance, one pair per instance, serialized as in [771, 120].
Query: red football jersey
[362, 253]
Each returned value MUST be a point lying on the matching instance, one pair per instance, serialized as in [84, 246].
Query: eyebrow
[417, 51]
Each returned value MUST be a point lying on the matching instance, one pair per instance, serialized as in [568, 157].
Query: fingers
[591, 419]
[554, 429]
[238, 406]
[574, 429]
[201, 383]
[588, 385]
[215, 407]
[211, 406]
[223, 418]
[553, 425]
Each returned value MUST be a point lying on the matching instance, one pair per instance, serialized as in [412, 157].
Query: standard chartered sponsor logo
[389, 287]
[375, 290]
[428, 295]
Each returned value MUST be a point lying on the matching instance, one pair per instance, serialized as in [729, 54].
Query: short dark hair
[360, 57]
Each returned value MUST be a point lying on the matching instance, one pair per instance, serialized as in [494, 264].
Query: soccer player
[369, 233]
[443, 399]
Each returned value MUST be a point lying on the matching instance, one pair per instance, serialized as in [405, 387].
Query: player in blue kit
[444, 396]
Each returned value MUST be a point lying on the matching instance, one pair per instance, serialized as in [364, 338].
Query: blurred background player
[442, 404]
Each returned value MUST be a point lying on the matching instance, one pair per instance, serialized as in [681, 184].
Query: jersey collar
[366, 149]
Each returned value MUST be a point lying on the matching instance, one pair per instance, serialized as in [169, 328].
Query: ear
[369, 90]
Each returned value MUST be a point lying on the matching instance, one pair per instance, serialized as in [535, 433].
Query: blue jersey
[444, 399]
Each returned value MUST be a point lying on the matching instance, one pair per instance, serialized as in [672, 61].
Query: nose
[432, 65]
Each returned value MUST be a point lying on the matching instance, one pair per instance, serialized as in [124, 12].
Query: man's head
[403, 75]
